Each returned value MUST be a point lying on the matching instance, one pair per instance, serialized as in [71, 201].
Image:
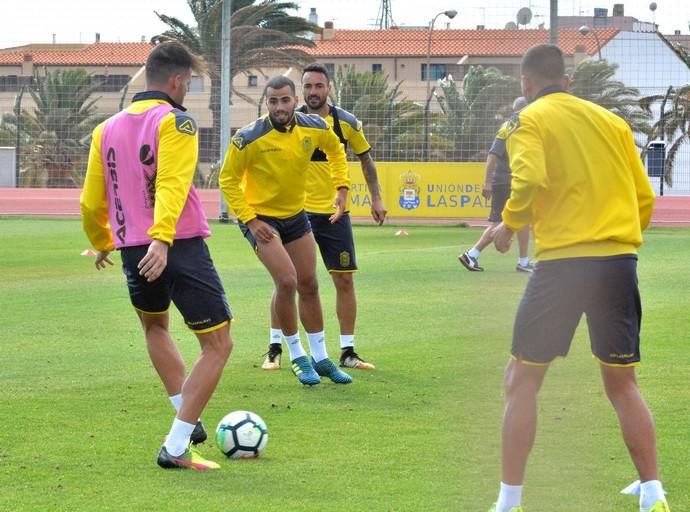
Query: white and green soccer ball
[241, 435]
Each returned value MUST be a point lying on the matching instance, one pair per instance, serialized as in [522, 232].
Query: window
[197, 84]
[376, 68]
[110, 83]
[9, 83]
[330, 67]
[207, 153]
[252, 81]
[438, 71]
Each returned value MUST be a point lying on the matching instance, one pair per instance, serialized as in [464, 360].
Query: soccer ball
[241, 435]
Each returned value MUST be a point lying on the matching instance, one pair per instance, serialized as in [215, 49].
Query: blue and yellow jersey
[577, 179]
[320, 189]
[265, 169]
[498, 149]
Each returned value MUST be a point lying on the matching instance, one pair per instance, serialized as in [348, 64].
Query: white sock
[294, 345]
[276, 336]
[347, 340]
[178, 438]
[509, 497]
[651, 491]
[317, 346]
[523, 261]
[176, 401]
[474, 252]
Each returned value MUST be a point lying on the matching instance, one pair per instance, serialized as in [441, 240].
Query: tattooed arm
[378, 210]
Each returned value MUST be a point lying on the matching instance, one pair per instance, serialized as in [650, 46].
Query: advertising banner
[423, 190]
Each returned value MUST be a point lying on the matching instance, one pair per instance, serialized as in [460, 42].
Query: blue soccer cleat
[327, 368]
[304, 371]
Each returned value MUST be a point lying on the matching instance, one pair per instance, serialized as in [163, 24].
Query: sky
[74, 21]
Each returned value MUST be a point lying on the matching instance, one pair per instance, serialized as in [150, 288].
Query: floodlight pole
[450, 14]
[553, 21]
[662, 129]
[585, 30]
[17, 151]
[225, 84]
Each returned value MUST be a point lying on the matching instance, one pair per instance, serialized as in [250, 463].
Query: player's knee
[343, 281]
[286, 284]
[621, 388]
[308, 286]
[519, 383]
[218, 342]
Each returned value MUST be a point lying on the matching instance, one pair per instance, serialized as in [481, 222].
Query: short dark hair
[278, 82]
[317, 68]
[169, 58]
[543, 63]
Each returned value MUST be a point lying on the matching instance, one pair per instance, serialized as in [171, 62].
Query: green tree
[51, 133]
[592, 80]
[263, 34]
[390, 121]
[473, 115]
[673, 124]
[682, 52]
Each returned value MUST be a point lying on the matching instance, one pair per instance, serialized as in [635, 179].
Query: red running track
[668, 211]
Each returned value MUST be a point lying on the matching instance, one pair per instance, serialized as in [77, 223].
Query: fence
[422, 95]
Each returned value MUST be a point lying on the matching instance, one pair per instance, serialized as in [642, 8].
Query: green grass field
[83, 413]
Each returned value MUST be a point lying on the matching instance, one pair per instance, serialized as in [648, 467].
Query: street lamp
[450, 14]
[584, 30]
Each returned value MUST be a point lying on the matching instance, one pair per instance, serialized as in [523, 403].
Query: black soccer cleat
[199, 434]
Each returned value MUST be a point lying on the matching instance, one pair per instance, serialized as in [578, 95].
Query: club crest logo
[344, 259]
[409, 190]
[308, 145]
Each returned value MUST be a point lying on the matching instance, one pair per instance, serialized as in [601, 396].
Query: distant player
[335, 239]
[138, 198]
[579, 181]
[263, 179]
[497, 188]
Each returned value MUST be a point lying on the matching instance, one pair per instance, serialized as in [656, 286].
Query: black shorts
[335, 241]
[499, 198]
[560, 291]
[189, 280]
[289, 230]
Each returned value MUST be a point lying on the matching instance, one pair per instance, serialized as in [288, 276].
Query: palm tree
[673, 125]
[262, 35]
[388, 119]
[592, 80]
[64, 114]
[473, 116]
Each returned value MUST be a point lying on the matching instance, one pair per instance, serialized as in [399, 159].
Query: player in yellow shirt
[138, 198]
[263, 180]
[579, 181]
[335, 239]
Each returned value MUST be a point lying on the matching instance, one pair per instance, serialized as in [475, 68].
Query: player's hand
[261, 231]
[502, 237]
[486, 191]
[339, 203]
[102, 258]
[154, 261]
[378, 211]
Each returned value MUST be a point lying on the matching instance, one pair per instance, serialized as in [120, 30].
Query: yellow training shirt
[320, 189]
[265, 169]
[577, 179]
